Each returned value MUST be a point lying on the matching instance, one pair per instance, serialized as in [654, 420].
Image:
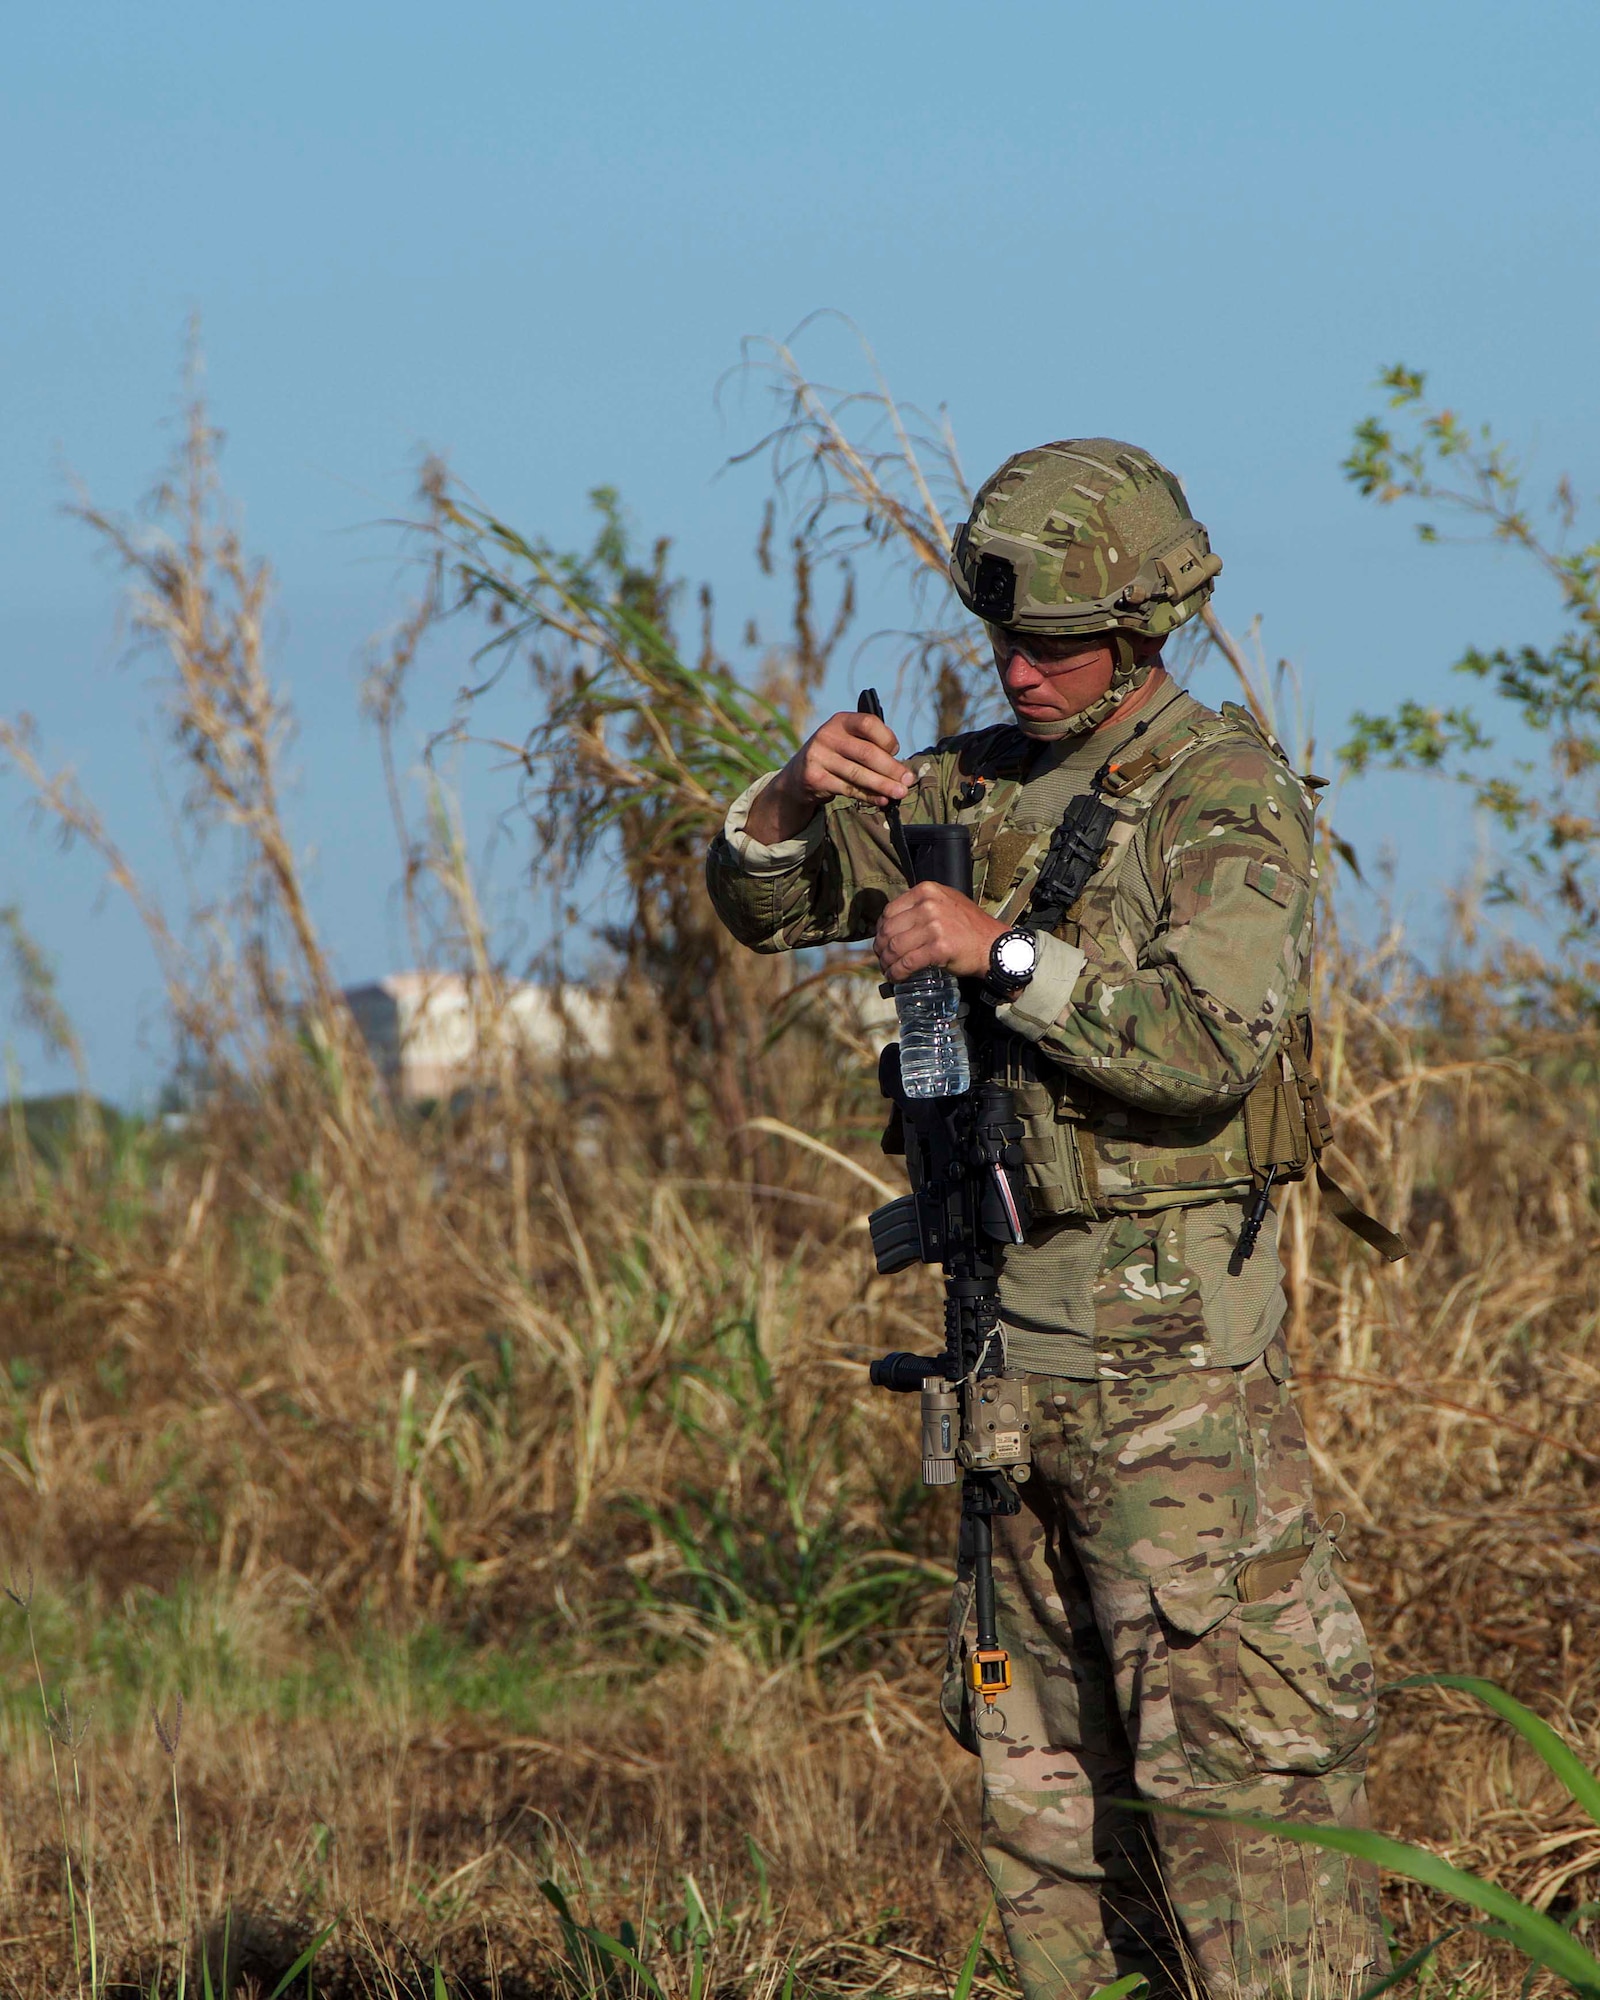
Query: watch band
[1007, 985]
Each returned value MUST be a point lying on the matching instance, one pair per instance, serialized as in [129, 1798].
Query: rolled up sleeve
[778, 857]
[1047, 998]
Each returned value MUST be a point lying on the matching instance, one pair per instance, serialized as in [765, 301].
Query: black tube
[904, 1373]
[983, 1581]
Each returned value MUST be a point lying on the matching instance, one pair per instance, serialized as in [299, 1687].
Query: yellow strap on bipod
[989, 1675]
[989, 1672]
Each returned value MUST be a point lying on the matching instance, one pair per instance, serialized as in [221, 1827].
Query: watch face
[1015, 957]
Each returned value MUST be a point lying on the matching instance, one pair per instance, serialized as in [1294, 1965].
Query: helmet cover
[1086, 535]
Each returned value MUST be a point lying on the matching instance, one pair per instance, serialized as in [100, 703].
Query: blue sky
[532, 237]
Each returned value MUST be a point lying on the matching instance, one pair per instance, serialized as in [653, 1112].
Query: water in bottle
[934, 1061]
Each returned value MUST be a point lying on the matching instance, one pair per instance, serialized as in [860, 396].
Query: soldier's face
[1051, 680]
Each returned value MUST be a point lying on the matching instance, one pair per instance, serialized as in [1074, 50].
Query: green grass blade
[302, 1961]
[1541, 1937]
[695, 1910]
[556, 1897]
[1119, 1989]
[1570, 1768]
[1406, 1967]
[758, 1861]
[615, 1948]
[969, 1968]
[96, 1969]
[439, 1991]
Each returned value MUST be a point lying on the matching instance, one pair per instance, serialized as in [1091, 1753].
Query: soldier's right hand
[852, 756]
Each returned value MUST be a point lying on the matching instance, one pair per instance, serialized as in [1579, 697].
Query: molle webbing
[1065, 1117]
[1078, 845]
[1282, 1123]
[1085, 839]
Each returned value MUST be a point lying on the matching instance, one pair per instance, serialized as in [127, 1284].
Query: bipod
[983, 1496]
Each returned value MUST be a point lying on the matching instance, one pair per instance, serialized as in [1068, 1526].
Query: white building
[425, 1033]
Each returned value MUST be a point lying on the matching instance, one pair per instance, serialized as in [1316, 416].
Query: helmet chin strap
[1132, 670]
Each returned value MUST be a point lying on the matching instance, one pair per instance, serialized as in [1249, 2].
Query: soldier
[1178, 1630]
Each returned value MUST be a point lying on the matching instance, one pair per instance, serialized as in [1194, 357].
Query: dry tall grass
[501, 1489]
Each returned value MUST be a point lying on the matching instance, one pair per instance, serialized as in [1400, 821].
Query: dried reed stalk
[615, 1429]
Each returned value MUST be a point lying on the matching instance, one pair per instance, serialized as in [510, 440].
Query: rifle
[968, 1202]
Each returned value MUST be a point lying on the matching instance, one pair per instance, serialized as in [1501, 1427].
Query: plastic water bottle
[934, 1061]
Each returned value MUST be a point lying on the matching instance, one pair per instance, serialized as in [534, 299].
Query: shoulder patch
[1274, 882]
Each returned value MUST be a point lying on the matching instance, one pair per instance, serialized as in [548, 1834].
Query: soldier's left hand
[933, 925]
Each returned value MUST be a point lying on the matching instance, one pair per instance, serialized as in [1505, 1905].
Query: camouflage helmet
[1086, 535]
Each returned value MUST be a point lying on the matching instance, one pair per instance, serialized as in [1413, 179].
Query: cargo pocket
[1284, 1685]
[1197, 1610]
[1307, 1695]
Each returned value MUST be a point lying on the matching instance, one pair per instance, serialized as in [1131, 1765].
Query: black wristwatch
[1013, 960]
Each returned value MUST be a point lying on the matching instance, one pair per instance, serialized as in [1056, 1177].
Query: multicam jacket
[1157, 1005]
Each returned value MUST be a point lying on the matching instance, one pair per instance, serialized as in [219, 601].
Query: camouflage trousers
[1140, 1675]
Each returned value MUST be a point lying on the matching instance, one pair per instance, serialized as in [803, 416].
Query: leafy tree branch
[1466, 477]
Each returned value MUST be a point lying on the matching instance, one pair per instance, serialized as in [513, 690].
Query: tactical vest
[1091, 1154]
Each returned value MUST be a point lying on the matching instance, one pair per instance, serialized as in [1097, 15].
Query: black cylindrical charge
[942, 853]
